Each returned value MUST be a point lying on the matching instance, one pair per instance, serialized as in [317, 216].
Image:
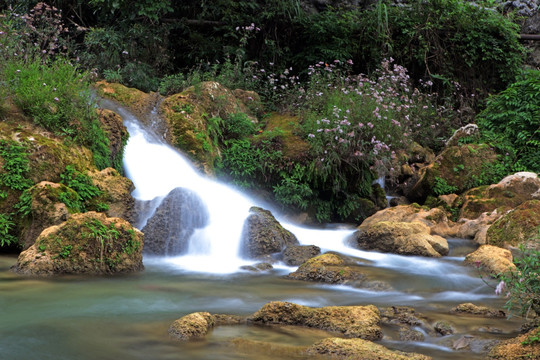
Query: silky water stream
[127, 317]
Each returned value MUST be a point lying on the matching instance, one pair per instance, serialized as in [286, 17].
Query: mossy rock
[285, 127]
[137, 101]
[457, 166]
[88, 243]
[525, 346]
[117, 134]
[506, 195]
[328, 268]
[350, 321]
[195, 325]
[520, 226]
[264, 235]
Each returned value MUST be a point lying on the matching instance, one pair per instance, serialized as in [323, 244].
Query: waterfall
[156, 169]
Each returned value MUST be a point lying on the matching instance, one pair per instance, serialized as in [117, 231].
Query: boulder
[520, 226]
[435, 218]
[295, 255]
[264, 235]
[400, 238]
[521, 347]
[491, 259]
[482, 311]
[351, 321]
[186, 117]
[476, 228]
[456, 167]
[195, 325]
[88, 243]
[329, 268]
[136, 100]
[506, 195]
[338, 348]
[116, 193]
[464, 131]
[46, 208]
[168, 230]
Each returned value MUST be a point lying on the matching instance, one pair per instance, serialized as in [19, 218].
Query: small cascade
[380, 181]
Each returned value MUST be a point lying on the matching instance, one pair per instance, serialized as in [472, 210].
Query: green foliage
[65, 251]
[510, 122]
[15, 165]
[85, 190]
[237, 126]
[522, 285]
[532, 339]
[24, 206]
[441, 187]
[293, 189]
[6, 227]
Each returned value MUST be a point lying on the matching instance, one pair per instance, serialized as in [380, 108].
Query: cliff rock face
[264, 235]
[168, 231]
[89, 243]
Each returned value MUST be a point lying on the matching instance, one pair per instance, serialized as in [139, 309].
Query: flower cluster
[360, 120]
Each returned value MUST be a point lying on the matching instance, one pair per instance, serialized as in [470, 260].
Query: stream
[127, 316]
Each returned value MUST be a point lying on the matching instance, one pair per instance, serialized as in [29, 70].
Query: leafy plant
[6, 227]
[510, 122]
[441, 187]
[15, 165]
[522, 285]
[85, 190]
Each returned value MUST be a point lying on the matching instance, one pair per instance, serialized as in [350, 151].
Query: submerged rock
[400, 238]
[191, 326]
[88, 243]
[483, 311]
[264, 235]
[351, 321]
[328, 268]
[295, 255]
[168, 230]
[491, 259]
[338, 348]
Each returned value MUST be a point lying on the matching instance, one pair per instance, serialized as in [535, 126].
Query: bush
[522, 286]
[510, 122]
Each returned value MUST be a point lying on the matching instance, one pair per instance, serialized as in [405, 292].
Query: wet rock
[168, 231]
[351, 321]
[402, 315]
[116, 193]
[483, 311]
[338, 348]
[408, 334]
[400, 238]
[462, 343]
[226, 319]
[506, 195]
[490, 259]
[89, 243]
[443, 328]
[137, 101]
[264, 235]
[520, 347]
[192, 326]
[295, 255]
[328, 268]
[520, 226]
[474, 229]
[257, 267]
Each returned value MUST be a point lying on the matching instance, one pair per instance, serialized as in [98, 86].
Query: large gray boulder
[264, 235]
[168, 231]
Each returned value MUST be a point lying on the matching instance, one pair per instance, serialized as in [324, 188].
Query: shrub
[510, 122]
[6, 226]
[522, 286]
[15, 166]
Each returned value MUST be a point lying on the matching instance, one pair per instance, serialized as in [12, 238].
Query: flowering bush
[358, 122]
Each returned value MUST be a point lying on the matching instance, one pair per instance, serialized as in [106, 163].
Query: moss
[519, 226]
[294, 147]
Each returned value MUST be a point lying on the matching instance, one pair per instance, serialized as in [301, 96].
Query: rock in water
[89, 243]
[264, 235]
[167, 232]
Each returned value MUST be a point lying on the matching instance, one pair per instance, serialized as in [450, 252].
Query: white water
[156, 168]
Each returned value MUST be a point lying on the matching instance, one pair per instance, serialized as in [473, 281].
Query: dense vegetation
[363, 84]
